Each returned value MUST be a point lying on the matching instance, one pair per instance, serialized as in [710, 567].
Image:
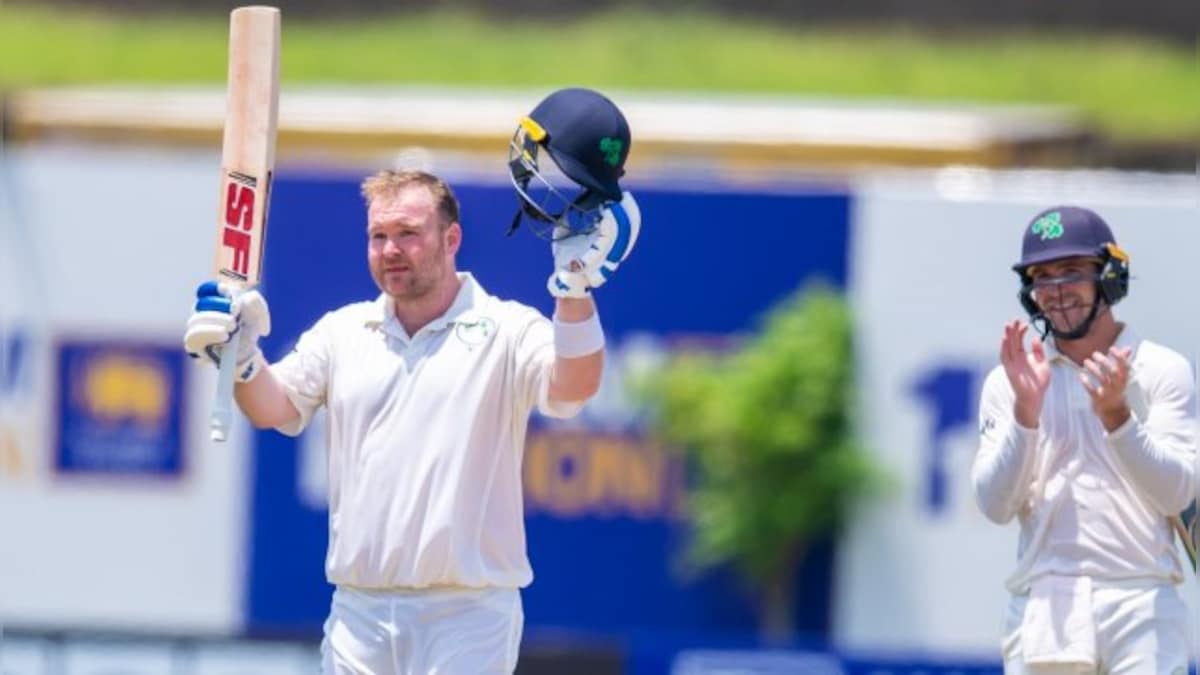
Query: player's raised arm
[592, 231]
[581, 264]
[220, 326]
[578, 351]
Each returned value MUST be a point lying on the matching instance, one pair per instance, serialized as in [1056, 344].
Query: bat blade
[247, 168]
[248, 147]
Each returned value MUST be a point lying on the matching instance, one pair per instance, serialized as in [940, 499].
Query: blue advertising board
[604, 534]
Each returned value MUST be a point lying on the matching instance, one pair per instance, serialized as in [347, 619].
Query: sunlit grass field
[1133, 88]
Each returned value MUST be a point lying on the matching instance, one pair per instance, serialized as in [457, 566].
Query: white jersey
[425, 438]
[1092, 503]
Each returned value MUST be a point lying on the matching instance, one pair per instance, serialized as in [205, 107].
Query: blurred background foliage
[769, 428]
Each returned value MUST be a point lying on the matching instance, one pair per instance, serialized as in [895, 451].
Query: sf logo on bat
[241, 198]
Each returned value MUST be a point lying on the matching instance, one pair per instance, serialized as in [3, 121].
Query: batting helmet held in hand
[587, 137]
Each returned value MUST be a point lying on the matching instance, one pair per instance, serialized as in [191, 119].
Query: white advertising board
[102, 250]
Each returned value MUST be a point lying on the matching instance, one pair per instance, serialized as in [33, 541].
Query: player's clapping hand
[218, 320]
[1028, 372]
[586, 261]
[1105, 377]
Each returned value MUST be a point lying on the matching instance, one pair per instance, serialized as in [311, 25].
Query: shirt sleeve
[535, 364]
[1156, 446]
[1004, 464]
[304, 374]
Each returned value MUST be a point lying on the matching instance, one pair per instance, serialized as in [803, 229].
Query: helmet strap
[1041, 324]
[1083, 328]
[516, 222]
[1045, 327]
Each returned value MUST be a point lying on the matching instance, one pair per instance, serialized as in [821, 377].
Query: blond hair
[388, 182]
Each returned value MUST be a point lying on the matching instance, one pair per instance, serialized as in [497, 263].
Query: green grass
[1132, 88]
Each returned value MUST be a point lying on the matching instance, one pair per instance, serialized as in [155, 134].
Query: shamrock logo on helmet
[611, 147]
[1049, 226]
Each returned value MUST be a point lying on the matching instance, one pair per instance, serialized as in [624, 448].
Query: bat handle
[222, 410]
[1186, 538]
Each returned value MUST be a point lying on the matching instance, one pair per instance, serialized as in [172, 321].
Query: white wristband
[573, 340]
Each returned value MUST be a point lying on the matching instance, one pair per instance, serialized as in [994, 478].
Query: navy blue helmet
[587, 139]
[1072, 232]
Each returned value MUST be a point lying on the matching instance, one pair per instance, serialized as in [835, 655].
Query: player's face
[1065, 290]
[409, 251]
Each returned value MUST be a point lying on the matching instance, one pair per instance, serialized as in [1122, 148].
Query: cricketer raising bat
[247, 162]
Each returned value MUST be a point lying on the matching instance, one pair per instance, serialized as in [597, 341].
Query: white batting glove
[218, 321]
[586, 261]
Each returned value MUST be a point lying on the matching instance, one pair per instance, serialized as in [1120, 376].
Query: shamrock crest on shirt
[475, 331]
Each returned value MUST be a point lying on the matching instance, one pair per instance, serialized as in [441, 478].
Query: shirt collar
[1126, 338]
[470, 296]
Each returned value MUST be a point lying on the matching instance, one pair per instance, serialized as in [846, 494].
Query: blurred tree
[768, 431]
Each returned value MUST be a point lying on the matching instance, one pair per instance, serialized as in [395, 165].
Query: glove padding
[217, 321]
[585, 261]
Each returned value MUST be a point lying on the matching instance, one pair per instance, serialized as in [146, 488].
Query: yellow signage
[575, 474]
[117, 388]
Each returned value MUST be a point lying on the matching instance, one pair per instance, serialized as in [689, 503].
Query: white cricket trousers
[1139, 631]
[460, 631]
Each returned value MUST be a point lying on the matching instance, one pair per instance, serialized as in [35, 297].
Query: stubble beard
[420, 282]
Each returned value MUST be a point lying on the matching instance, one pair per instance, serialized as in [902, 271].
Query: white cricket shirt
[425, 437]
[1092, 503]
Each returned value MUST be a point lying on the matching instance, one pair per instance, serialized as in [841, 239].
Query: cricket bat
[247, 163]
[1187, 535]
